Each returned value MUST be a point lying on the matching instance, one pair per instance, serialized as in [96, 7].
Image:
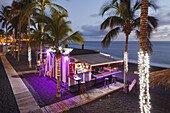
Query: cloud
[94, 15]
[93, 33]
[162, 34]
[5, 2]
[163, 17]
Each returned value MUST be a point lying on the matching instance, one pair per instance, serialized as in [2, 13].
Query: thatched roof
[160, 77]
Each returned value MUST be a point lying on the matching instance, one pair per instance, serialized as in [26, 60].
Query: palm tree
[14, 24]
[5, 18]
[19, 26]
[40, 6]
[143, 60]
[57, 34]
[124, 20]
[28, 2]
[2, 34]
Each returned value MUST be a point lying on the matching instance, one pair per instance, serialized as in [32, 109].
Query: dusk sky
[84, 15]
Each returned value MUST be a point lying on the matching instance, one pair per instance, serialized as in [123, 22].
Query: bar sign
[132, 85]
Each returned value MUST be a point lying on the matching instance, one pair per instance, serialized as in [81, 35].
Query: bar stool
[106, 82]
[113, 78]
[83, 87]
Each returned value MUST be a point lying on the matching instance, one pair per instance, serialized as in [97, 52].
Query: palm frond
[53, 10]
[136, 23]
[4, 23]
[153, 21]
[105, 24]
[111, 22]
[136, 6]
[137, 32]
[28, 10]
[110, 35]
[153, 5]
[149, 30]
[75, 37]
[106, 8]
[116, 21]
[9, 27]
[54, 7]
[44, 19]
[149, 46]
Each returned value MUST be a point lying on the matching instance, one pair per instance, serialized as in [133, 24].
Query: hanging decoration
[126, 61]
[144, 97]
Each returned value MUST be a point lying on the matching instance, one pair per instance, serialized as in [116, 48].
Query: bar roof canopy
[94, 58]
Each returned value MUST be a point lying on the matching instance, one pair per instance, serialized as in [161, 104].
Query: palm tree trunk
[42, 30]
[6, 38]
[13, 43]
[29, 46]
[41, 52]
[16, 35]
[58, 77]
[125, 64]
[18, 56]
[143, 61]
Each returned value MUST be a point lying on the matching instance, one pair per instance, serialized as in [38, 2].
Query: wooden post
[82, 46]
[58, 78]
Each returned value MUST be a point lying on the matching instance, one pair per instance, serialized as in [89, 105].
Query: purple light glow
[48, 53]
[65, 58]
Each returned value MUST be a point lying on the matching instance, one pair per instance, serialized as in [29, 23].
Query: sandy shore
[117, 102]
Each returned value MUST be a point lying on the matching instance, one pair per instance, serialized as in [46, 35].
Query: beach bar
[79, 65]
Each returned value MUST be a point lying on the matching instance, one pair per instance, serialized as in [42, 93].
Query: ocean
[160, 56]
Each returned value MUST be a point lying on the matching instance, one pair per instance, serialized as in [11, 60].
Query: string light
[126, 61]
[29, 53]
[144, 97]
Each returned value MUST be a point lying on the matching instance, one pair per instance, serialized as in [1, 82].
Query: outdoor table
[105, 74]
[77, 79]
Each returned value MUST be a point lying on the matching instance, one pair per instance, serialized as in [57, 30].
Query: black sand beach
[117, 102]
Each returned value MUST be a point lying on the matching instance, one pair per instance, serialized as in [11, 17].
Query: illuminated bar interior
[81, 65]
